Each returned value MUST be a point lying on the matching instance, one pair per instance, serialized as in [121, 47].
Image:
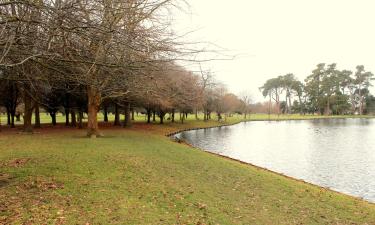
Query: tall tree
[273, 89]
[363, 81]
[313, 88]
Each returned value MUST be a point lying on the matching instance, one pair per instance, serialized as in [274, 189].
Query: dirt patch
[42, 184]
[16, 163]
[4, 179]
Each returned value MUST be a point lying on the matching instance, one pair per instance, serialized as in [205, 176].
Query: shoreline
[183, 142]
[272, 119]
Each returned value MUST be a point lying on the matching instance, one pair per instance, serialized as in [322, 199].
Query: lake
[334, 153]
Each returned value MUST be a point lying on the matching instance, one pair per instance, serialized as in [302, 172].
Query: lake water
[334, 153]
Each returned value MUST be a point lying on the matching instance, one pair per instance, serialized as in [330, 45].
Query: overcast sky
[274, 37]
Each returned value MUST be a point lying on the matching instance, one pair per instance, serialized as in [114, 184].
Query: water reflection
[336, 153]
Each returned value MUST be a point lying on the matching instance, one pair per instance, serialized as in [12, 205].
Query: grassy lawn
[139, 176]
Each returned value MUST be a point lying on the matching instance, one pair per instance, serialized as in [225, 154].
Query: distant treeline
[327, 90]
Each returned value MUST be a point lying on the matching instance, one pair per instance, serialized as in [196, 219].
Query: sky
[272, 37]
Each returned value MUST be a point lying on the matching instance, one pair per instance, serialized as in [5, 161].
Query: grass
[60, 118]
[139, 176]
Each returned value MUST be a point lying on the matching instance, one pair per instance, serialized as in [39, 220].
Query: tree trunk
[53, 117]
[269, 107]
[148, 116]
[290, 104]
[8, 116]
[153, 116]
[12, 115]
[27, 118]
[117, 116]
[133, 114]
[286, 103]
[105, 112]
[37, 115]
[205, 115]
[74, 118]
[360, 100]
[182, 115]
[173, 111]
[161, 115]
[67, 117]
[328, 107]
[196, 114]
[352, 101]
[300, 105]
[80, 119]
[94, 100]
[127, 122]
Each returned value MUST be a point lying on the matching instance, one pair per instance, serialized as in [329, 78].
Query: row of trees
[85, 56]
[176, 91]
[327, 90]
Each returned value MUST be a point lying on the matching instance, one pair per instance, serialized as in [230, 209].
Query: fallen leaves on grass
[33, 201]
[43, 184]
[4, 179]
[16, 163]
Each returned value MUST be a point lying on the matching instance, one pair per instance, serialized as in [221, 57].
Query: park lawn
[139, 176]
[60, 118]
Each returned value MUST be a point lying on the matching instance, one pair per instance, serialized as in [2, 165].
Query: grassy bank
[138, 176]
[60, 118]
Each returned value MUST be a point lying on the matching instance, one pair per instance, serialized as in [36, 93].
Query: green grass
[60, 118]
[139, 176]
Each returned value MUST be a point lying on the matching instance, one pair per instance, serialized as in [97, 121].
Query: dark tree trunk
[67, 122]
[127, 122]
[186, 115]
[173, 115]
[117, 116]
[182, 116]
[80, 119]
[94, 101]
[67, 108]
[153, 116]
[148, 115]
[18, 117]
[218, 116]
[74, 118]
[161, 116]
[132, 114]
[12, 115]
[53, 117]
[8, 116]
[37, 115]
[105, 112]
[27, 118]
